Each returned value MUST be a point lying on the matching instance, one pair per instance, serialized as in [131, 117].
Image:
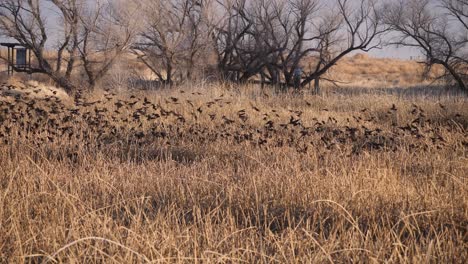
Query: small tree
[173, 38]
[106, 33]
[232, 40]
[94, 33]
[352, 27]
[439, 30]
[24, 21]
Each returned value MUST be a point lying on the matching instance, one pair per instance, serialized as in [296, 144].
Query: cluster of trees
[284, 42]
[271, 39]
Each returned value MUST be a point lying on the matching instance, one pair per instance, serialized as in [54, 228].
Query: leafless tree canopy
[275, 38]
[107, 31]
[290, 43]
[94, 33]
[173, 38]
[439, 29]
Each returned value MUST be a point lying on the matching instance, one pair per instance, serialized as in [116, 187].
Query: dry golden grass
[212, 174]
[365, 71]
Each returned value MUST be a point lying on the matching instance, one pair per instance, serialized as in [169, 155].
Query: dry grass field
[216, 174]
[366, 71]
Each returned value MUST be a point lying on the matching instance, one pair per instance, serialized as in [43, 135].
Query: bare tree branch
[442, 41]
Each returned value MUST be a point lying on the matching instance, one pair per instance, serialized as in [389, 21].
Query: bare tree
[173, 38]
[457, 9]
[24, 21]
[355, 27]
[289, 33]
[439, 30]
[87, 32]
[274, 38]
[70, 19]
[239, 39]
[106, 32]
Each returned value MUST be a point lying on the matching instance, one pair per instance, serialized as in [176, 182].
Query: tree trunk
[317, 85]
[169, 74]
[63, 82]
[457, 77]
[92, 84]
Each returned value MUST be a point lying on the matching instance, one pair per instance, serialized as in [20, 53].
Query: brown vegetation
[219, 175]
[359, 70]
[362, 70]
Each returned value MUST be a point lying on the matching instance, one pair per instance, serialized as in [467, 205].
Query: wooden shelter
[19, 58]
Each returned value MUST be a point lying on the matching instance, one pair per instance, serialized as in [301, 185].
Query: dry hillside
[363, 71]
[359, 70]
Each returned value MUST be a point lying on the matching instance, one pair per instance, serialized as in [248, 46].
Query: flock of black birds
[140, 121]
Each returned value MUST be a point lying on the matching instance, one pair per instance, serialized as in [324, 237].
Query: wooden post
[29, 63]
[9, 61]
[317, 85]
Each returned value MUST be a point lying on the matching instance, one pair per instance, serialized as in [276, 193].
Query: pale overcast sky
[385, 52]
[394, 52]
